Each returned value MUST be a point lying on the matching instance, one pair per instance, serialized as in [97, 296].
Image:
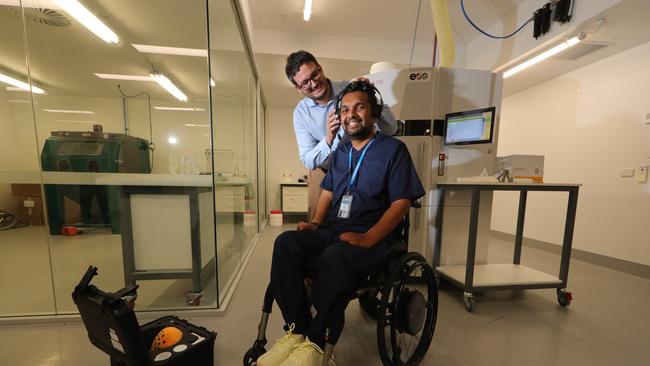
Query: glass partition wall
[135, 151]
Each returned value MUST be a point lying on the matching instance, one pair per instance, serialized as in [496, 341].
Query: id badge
[346, 206]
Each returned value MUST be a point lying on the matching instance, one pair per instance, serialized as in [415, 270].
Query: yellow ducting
[440, 11]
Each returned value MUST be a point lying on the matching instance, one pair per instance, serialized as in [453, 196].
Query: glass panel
[234, 141]
[25, 278]
[152, 104]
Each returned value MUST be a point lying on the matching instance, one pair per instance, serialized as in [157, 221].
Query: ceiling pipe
[440, 11]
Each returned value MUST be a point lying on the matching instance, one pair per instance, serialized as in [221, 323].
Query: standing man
[317, 128]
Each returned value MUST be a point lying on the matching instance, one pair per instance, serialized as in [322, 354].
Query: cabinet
[294, 198]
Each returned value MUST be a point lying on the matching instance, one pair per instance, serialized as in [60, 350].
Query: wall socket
[642, 173]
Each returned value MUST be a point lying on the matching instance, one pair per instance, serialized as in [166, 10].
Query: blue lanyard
[353, 178]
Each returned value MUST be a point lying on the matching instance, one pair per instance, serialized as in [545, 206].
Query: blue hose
[462, 6]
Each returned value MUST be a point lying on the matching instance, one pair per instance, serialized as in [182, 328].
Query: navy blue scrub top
[386, 174]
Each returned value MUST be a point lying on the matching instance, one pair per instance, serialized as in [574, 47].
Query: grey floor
[607, 324]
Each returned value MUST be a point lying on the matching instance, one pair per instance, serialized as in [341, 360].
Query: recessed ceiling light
[68, 111]
[21, 85]
[212, 83]
[163, 81]
[178, 51]
[179, 109]
[123, 77]
[196, 125]
[88, 20]
[306, 12]
[172, 140]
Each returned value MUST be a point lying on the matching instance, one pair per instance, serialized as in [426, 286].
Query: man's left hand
[358, 239]
[362, 79]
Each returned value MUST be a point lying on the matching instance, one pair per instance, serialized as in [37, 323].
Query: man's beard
[360, 134]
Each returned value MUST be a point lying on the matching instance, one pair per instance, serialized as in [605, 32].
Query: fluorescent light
[178, 51]
[306, 12]
[172, 140]
[67, 111]
[88, 20]
[74, 121]
[212, 83]
[541, 57]
[20, 84]
[195, 125]
[169, 86]
[123, 77]
[179, 109]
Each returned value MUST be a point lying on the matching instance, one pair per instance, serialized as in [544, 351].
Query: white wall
[589, 124]
[282, 152]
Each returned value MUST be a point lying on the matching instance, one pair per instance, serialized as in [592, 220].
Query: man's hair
[295, 60]
[374, 98]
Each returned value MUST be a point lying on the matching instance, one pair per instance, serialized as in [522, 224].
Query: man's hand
[362, 79]
[358, 239]
[333, 125]
[302, 226]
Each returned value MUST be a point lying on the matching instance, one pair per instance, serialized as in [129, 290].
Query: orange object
[69, 230]
[167, 337]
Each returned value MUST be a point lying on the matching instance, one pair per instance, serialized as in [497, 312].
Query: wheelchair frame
[386, 296]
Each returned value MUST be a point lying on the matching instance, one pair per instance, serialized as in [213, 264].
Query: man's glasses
[315, 76]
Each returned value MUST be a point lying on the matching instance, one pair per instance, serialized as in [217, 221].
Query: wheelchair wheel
[407, 312]
[253, 353]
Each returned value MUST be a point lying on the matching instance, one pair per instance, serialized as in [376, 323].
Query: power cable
[462, 6]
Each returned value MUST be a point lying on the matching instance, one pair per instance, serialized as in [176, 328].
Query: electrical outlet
[627, 172]
[28, 203]
[642, 173]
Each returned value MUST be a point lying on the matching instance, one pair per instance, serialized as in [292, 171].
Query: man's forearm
[389, 220]
[323, 205]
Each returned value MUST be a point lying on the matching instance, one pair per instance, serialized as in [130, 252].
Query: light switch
[642, 173]
[627, 172]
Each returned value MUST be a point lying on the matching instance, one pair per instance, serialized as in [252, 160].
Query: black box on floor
[113, 328]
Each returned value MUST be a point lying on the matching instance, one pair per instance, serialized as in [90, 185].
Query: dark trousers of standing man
[341, 269]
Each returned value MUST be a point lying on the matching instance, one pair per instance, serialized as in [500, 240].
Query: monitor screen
[469, 127]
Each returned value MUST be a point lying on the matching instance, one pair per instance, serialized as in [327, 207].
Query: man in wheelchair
[366, 194]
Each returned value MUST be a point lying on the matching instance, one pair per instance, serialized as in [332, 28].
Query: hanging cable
[152, 145]
[462, 6]
[415, 33]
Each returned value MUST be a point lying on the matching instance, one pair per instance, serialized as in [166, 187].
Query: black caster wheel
[469, 301]
[564, 297]
[251, 356]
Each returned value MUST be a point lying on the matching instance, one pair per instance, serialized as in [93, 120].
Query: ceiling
[63, 59]
[346, 36]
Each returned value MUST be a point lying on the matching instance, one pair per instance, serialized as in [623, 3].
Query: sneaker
[281, 349]
[306, 354]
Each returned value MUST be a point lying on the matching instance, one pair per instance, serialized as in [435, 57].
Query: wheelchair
[402, 297]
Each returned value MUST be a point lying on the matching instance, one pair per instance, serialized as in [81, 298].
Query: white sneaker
[281, 349]
[306, 354]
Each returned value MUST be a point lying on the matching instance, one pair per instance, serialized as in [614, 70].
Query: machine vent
[581, 49]
[43, 16]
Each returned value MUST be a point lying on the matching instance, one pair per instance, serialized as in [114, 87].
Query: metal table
[476, 278]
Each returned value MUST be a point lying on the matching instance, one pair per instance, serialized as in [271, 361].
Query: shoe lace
[287, 336]
[303, 350]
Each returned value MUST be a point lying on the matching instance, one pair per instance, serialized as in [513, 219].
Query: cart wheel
[470, 302]
[193, 298]
[251, 356]
[564, 297]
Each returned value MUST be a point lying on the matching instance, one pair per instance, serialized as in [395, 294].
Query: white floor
[607, 324]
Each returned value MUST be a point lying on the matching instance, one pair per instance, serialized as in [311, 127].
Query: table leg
[521, 215]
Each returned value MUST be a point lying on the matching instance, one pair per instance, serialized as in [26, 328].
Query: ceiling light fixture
[179, 109]
[123, 77]
[20, 84]
[543, 56]
[163, 81]
[196, 125]
[67, 111]
[88, 20]
[306, 12]
[172, 140]
[212, 83]
[177, 51]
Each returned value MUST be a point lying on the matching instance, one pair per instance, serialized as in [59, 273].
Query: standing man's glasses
[315, 76]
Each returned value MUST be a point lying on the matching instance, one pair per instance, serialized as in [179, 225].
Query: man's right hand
[333, 126]
[302, 226]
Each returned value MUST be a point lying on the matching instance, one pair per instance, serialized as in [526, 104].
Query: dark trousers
[341, 269]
